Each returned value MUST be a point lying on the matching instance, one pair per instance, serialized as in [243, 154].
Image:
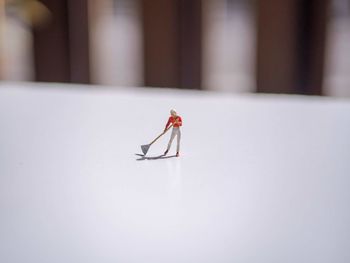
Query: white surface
[260, 178]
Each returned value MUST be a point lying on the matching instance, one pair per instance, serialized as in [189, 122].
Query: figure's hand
[177, 122]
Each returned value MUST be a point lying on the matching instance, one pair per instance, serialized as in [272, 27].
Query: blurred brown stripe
[2, 35]
[172, 43]
[291, 45]
[61, 47]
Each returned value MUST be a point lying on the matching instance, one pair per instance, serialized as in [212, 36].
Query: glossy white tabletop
[261, 178]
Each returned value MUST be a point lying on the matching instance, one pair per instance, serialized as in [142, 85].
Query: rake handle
[161, 135]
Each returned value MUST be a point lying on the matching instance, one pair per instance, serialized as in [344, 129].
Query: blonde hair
[172, 111]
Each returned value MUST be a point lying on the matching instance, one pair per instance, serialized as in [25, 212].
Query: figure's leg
[170, 141]
[178, 142]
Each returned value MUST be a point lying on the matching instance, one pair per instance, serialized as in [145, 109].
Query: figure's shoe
[166, 152]
[177, 154]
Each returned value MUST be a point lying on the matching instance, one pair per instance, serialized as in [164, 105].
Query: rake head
[145, 148]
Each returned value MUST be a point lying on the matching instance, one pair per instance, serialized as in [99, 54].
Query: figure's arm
[167, 124]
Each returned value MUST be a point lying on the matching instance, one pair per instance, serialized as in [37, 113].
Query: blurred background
[270, 46]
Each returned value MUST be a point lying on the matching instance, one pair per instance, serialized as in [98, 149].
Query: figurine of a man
[177, 123]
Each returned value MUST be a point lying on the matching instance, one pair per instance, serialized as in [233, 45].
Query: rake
[145, 147]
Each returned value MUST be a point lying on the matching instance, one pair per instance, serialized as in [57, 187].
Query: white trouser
[175, 132]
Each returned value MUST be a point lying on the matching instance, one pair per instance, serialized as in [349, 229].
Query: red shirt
[172, 120]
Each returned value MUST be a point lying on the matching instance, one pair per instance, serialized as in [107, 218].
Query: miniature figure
[176, 121]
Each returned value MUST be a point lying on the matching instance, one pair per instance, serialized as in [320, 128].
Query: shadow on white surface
[159, 157]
